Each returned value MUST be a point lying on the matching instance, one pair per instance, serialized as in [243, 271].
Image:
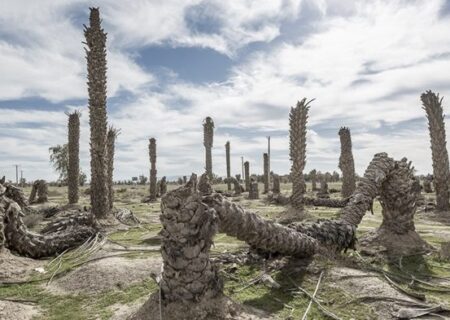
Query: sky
[244, 63]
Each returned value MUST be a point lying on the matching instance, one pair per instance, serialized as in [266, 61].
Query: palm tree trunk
[208, 137]
[110, 150]
[153, 171]
[297, 147]
[227, 154]
[96, 66]
[247, 175]
[346, 163]
[188, 273]
[15, 236]
[266, 172]
[436, 124]
[73, 171]
[257, 232]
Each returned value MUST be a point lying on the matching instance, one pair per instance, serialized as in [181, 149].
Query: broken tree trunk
[15, 236]
[227, 154]
[266, 172]
[247, 175]
[153, 172]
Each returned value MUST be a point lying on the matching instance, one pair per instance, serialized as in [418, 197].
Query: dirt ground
[113, 278]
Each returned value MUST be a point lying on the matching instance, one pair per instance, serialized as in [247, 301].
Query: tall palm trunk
[208, 137]
[110, 150]
[436, 124]
[96, 66]
[266, 172]
[247, 175]
[73, 170]
[346, 163]
[297, 147]
[153, 172]
[227, 154]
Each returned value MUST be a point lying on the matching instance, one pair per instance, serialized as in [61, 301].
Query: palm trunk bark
[96, 66]
[208, 137]
[110, 150]
[266, 172]
[73, 171]
[257, 232]
[188, 274]
[247, 175]
[346, 163]
[297, 135]
[153, 171]
[227, 154]
[436, 124]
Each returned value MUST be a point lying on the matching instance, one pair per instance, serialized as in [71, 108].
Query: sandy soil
[15, 268]
[358, 283]
[17, 311]
[106, 274]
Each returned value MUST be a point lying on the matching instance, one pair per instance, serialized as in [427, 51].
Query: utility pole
[17, 174]
[268, 156]
[21, 178]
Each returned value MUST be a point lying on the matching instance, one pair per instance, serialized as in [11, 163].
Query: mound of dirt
[17, 311]
[360, 283]
[15, 268]
[106, 274]
[219, 308]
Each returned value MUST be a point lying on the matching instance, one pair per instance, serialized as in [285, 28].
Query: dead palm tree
[153, 172]
[96, 67]
[432, 105]
[208, 137]
[247, 175]
[227, 154]
[110, 150]
[266, 172]
[346, 163]
[73, 170]
[297, 146]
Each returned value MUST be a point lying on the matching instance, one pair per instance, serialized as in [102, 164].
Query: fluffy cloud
[366, 64]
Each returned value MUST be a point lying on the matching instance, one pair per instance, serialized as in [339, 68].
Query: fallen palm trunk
[18, 239]
[324, 202]
[257, 232]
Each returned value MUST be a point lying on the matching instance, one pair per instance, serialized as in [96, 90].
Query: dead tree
[189, 278]
[96, 67]
[297, 150]
[323, 192]
[247, 175]
[254, 191]
[153, 172]
[162, 186]
[427, 184]
[73, 170]
[432, 104]
[39, 189]
[266, 172]
[15, 236]
[110, 150]
[227, 153]
[276, 184]
[208, 137]
[346, 163]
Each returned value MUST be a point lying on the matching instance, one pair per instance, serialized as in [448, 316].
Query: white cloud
[366, 64]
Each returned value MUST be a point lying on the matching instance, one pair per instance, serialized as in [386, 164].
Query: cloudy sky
[244, 63]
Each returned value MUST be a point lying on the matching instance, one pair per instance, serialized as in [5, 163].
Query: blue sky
[244, 63]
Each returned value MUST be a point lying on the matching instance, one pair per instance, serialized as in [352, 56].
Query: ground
[110, 279]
